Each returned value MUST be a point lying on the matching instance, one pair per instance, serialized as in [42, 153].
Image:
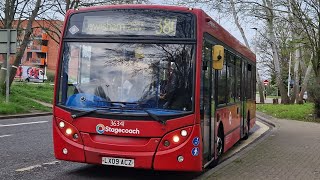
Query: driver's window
[73, 65]
[85, 68]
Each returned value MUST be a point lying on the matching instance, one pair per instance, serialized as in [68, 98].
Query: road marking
[5, 135]
[51, 163]
[19, 124]
[37, 166]
[28, 168]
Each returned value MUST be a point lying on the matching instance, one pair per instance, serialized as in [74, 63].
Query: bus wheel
[247, 130]
[219, 148]
[220, 143]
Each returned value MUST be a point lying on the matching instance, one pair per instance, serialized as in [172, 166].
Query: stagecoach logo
[73, 29]
[100, 128]
[230, 118]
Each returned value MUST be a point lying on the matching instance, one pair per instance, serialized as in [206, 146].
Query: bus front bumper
[168, 160]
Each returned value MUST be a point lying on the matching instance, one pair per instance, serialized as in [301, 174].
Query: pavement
[290, 151]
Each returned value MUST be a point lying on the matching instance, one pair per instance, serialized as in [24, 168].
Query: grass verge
[21, 96]
[300, 112]
[39, 91]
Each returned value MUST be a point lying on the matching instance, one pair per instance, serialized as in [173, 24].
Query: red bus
[150, 86]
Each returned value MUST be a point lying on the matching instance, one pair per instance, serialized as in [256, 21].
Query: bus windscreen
[131, 22]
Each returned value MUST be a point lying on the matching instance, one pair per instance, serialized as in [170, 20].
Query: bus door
[243, 90]
[207, 105]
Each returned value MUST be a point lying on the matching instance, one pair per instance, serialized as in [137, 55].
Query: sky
[228, 24]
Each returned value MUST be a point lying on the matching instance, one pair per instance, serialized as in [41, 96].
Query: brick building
[42, 49]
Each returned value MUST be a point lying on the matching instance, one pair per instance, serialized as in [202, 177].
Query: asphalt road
[26, 152]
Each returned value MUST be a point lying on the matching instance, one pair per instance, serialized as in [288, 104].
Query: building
[42, 49]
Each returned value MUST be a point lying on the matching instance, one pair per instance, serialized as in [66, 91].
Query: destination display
[129, 25]
[131, 22]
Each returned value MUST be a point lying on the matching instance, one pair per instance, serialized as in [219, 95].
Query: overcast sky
[228, 24]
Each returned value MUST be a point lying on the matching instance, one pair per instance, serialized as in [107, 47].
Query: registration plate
[118, 161]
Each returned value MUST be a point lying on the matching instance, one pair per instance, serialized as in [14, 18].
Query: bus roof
[219, 32]
[135, 6]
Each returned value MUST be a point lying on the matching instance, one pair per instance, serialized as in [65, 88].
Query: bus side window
[222, 85]
[230, 79]
[238, 78]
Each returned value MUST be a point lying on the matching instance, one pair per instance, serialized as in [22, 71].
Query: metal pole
[289, 75]
[8, 64]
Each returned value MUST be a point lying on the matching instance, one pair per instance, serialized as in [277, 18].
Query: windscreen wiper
[76, 115]
[155, 117]
[80, 114]
[122, 107]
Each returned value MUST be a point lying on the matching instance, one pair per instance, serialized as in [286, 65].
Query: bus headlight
[176, 139]
[61, 124]
[68, 131]
[184, 133]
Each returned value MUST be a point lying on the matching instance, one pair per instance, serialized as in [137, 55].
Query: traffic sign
[265, 82]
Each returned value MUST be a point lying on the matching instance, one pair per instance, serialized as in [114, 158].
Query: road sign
[8, 39]
[265, 82]
[4, 38]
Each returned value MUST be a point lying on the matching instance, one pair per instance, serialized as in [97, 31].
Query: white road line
[37, 166]
[51, 163]
[19, 124]
[5, 135]
[28, 168]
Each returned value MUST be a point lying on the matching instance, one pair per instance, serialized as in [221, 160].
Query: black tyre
[247, 130]
[220, 143]
[219, 148]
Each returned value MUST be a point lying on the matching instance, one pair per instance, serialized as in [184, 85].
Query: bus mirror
[217, 57]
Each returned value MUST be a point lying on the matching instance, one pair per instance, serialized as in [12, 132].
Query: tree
[24, 10]
[228, 7]
[307, 13]
[60, 8]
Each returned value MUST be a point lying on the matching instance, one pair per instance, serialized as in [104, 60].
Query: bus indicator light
[75, 136]
[166, 143]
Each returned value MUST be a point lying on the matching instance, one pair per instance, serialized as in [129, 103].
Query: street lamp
[260, 86]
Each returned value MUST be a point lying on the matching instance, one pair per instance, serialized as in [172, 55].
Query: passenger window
[222, 85]
[230, 80]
